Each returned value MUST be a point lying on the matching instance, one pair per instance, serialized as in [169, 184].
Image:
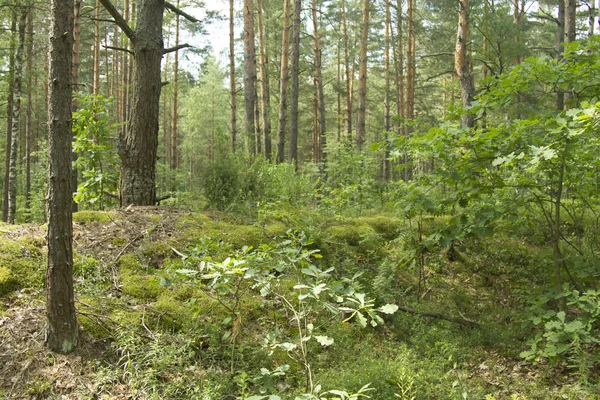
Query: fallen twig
[461, 321]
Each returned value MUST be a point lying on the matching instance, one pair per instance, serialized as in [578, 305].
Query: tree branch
[471, 324]
[175, 48]
[119, 20]
[118, 48]
[177, 11]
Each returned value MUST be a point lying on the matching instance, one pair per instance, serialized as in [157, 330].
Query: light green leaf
[388, 309]
[324, 340]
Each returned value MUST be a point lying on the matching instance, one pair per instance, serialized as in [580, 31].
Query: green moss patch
[144, 287]
[8, 282]
[92, 216]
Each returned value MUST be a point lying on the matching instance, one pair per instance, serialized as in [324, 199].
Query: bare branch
[118, 48]
[177, 11]
[175, 48]
[119, 20]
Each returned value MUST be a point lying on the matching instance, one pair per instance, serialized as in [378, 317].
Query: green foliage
[221, 184]
[95, 138]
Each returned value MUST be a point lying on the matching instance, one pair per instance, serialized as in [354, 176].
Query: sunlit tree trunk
[16, 118]
[75, 78]
[462, 63]
[9, 111]
[321, 139]
[362, 78]
[29, 120]
[232, 84]
[386, 101]
[264, 87]
[174, 133]
[96, 65]
[560, 37]
[283, 81]
[165, 116]
[295, 89]
[249, 74]
[62, 333]
[349, 74]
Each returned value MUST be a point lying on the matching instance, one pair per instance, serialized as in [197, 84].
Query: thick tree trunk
[283, 82]
[16, 119]
[462, 63]
[232, 84]
[264, 88]
[400, 105]
[75, 72]
[125, 74]
[9, 111]
[295, 89]
[322, 139]
[249, 74]
[62, 335]
[361, 131]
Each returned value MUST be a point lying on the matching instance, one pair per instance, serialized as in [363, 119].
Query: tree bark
[249, 74]
[560, 49]
[361, 124]
[349, 75]
[264, 88]
[232, 84]
[386, 101]
[9, 111]
[322, 139]
[283, 82]
[16, 118]
[75, 73]
[29, 117]
[62, 334]
[174, 155]
[462, 63]
[96, 65]
[294, 93]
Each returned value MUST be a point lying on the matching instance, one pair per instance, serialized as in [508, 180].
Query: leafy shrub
[222, 183]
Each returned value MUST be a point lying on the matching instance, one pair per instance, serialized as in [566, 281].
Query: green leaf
[362, 321]
[388, 309]
[324, 340]
[288, 346]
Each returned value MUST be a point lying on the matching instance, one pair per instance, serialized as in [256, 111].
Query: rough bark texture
[249, 73]
[96, 65]
[62, 335]
[232, 85]
[9, 109]
[401, 107]
[349, 76]
[361, 125]
[16, 119]
[386, 101]
[570, 20]
[75, 73]
[264, 87]
[295, 89]
[174, 155]
[29, 120]
[138, 151]
[462, 62]
[283, 81]
[322, 139]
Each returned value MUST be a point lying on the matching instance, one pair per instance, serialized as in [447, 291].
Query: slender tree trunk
[462, 63]
[349, 75]
[264, 88]
[591, 18]
[362, 78]
[16, 119]
[410, 64]
[295, 89]
[232, 85]
[401, 105]
[249, 74]
[570, 20]
[386, 101]
[174, 155]
[75, 78]
[125, 74]
[339, 118]
[560, 49]
[62, 334]
[283, 81]
[29, 120]
[165, 117]
[322, 139]
[96, 65]
[9, 112]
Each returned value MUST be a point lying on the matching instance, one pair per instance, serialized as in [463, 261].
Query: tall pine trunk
[462, 63]
[386, 101]
[174, 155]
[232, 84]
[16, 118]
[283, 82]
[9, 111]
[29, 117]
[322, 139]
[349, 75]
[295, 89]
[264, 88]
[361, 130]
[249, 74]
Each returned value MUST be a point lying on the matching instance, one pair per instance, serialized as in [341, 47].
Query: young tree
[139, 146]
[62, 335]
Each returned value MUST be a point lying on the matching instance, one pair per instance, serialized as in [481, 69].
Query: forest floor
[146, 333]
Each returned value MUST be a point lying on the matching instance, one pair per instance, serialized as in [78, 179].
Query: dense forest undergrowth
[213, 305]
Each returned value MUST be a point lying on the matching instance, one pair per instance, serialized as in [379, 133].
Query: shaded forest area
[354, 199]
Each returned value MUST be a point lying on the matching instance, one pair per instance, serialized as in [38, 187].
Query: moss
[25, 261]
[170, 313]
[387, 227]
[155, 253]
[143, 287]
[275, 229]
[118, 241]
[92, 327]
[244, 235]
[351, 234]
[92, 216]
[84, 265]
[8, 282]
[129, 263]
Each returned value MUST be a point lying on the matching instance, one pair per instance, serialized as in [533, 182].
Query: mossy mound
[88, 216]
[143, 287]
[385, 226]
[171, 314]
[23, 263]
[155, 253]
[8, 282]
[130, 263]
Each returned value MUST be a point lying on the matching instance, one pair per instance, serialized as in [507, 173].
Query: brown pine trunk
[75, 78]
[322, 139]
[96, 65]
[339, 90]
[283, 82]
[410, 63]
[386, 101]
[349, 75]
[9, 111]
[29, 120]
[462, 63]
[294, 92]
[264, 88]
[174, 155]
[125, 73]
[62, 334]
[232, 85]
[16, 119]
[362, 78]
[560, 37]
[249, 74]
[165, 117]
